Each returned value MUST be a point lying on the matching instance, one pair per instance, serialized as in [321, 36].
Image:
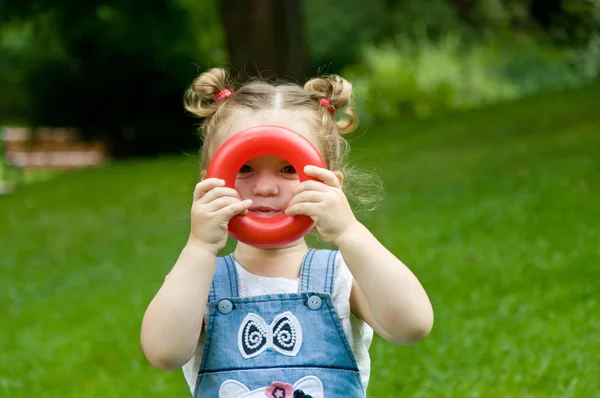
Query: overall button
[225, 307]
[314, 302]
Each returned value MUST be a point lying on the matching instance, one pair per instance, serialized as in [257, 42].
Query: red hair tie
[327, 104]
[223, 94]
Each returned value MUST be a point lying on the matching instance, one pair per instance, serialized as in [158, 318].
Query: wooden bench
[45, 149]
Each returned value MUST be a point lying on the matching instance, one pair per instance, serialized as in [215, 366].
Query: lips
[264, 211]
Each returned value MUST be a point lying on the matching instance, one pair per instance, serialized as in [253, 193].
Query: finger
[327, 176]
[310, 185]
[220, 203]
[228, 212]
[306, 196]
[206, 185]
[304, 209]
[219, 192]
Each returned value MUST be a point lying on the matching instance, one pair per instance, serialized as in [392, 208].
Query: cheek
[243, 187]
[289, 188]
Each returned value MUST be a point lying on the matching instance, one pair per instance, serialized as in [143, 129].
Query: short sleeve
[342, 287]
[358, 333]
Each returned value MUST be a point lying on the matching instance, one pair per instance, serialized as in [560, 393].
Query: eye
[245, 169]
[289, 169]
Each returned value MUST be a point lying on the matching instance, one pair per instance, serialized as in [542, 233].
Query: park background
[481, 117]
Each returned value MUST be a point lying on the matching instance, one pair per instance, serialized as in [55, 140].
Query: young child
[288, 321]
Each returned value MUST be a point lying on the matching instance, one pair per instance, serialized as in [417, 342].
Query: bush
[419, 77]
[336, 30]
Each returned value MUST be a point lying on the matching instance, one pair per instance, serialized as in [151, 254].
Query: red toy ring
[257, 141]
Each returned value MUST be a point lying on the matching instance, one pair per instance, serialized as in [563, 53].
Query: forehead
[246, 118]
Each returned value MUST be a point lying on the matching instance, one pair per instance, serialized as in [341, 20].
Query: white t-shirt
[358, 333]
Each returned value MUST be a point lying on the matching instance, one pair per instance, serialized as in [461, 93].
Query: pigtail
[334, 93]
[207, 93]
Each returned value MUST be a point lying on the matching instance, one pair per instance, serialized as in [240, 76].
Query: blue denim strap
[318, 271]
[225, 282]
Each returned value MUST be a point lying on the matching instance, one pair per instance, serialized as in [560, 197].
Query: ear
[232, 389]
[311, 386]
[340, 176]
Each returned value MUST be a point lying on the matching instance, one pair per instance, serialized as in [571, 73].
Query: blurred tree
[570, 22]
[545, 11]
[462, 9]
[337, 30]
[266, 37]
[120, 73]
[119, 68]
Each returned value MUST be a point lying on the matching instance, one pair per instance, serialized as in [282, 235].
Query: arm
[385, 293]
[173, 320]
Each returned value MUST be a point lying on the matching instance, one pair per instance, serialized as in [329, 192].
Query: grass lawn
[496, 211]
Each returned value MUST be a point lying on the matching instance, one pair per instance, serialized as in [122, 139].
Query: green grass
[496, 211]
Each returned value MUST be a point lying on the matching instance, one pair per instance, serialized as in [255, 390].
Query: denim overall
[279, 345]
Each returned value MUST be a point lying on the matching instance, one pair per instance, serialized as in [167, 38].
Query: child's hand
[324, 202]
[214, 205]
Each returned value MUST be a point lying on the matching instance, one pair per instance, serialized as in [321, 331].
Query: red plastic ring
[257, 141]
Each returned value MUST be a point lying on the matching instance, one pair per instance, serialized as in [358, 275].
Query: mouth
[264, 211]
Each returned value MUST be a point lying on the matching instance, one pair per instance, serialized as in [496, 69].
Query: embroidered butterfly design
[284, 335]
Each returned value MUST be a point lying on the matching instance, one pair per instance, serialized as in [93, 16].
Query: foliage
[117, 69]
[495, 210]
[336, 30]
[332, 35]
[574, 22]
[420, 58]
[588, 57]
[112, 69]
[25, 46]
[420, 77]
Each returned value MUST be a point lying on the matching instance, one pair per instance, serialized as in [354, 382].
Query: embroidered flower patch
[279, 390]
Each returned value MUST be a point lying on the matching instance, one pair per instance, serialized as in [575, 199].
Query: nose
[265, 184]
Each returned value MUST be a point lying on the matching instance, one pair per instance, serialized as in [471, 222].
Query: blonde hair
[200, 100]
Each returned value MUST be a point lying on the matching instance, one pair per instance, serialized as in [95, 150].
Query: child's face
[269, 180]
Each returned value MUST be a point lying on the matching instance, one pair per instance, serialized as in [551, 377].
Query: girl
[289, 321]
